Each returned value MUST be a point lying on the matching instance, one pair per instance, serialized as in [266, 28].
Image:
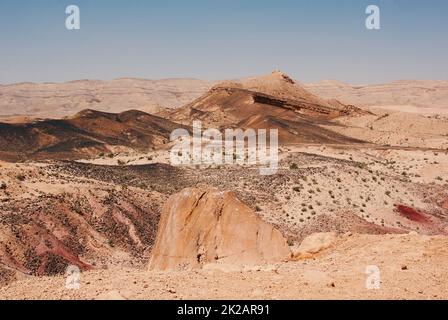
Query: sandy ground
[411, 267]
[399, 129]
[335, 184]
[441, 111]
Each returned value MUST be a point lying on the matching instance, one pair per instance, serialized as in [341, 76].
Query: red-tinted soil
[411, 213]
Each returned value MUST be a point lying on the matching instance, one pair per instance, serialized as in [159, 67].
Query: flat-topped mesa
[203, 227]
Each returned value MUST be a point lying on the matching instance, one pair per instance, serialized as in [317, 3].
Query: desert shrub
[294, 166]
[362, 165]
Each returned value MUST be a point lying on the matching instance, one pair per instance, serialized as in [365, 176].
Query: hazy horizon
[211, 80]
[220, 40]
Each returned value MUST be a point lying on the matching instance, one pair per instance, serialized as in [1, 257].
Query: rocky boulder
[200, 227]
[314, 244]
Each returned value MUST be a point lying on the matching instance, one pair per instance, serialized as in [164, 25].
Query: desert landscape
[86, 181]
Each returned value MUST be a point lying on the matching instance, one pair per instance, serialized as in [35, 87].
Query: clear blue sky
[219, 39]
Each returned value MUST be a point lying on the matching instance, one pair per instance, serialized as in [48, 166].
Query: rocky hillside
[270, 102]
[50, 219]
[88, 133]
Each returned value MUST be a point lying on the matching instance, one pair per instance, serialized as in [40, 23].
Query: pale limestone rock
[314, 244]
[200, 227]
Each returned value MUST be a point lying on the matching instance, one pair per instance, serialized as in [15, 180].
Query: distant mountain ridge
[423, 94]
[57, 100]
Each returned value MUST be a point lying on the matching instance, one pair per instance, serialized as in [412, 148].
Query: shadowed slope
[274, 101]
[86, 134]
